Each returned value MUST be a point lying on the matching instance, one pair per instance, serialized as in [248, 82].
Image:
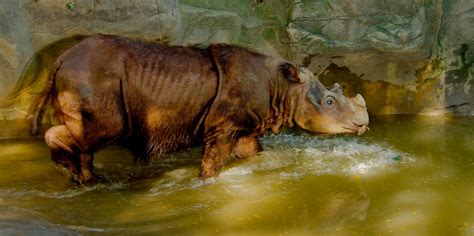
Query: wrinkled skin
[156, 99]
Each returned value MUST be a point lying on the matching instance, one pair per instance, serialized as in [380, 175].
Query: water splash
[295, 156]
[346, 156]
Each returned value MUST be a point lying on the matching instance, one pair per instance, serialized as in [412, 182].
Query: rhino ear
[290, 72]
[336, 88]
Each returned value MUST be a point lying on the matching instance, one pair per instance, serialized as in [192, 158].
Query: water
[408, 176]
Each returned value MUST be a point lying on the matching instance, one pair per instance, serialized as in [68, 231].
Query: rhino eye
[330, 101]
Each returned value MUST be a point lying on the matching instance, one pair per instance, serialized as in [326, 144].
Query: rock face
[403, 56]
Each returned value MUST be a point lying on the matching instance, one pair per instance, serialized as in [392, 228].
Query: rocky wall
[403, 56]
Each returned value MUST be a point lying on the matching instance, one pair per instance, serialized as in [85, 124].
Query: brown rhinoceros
[157, 99]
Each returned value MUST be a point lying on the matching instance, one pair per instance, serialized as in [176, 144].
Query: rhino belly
[172, 130]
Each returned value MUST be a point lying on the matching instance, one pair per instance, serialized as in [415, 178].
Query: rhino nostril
[361, 128]
[359, 125]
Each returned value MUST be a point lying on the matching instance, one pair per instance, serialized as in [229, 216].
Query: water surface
[408, 176]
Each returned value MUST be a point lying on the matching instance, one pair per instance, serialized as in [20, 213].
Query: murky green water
[408, 176]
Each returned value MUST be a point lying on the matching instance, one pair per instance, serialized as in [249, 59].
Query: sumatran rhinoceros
[156, 99]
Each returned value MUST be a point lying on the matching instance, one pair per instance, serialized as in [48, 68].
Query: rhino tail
[39, 106]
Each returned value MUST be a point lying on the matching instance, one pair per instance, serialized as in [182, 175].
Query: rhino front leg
[216, 152]
[247, 146]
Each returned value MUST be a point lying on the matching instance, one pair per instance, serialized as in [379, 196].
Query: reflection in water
[408, 176]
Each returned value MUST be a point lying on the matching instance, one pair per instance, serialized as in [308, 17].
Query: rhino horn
[359, 100]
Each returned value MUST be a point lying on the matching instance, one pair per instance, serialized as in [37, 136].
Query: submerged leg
[87, 169]
[216, 152]
[247, 146]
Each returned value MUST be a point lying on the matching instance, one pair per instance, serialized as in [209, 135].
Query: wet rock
[393, 26]
[210, 26]
[50, 21]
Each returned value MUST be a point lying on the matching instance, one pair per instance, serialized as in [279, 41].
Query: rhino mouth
[356, 128]
[341, 129]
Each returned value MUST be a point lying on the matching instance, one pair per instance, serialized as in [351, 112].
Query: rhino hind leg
[247, 146]
[66, 154]
[87, 169]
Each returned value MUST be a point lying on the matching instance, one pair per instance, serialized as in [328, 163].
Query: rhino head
[319, 110]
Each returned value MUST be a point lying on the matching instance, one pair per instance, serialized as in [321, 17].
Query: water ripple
[285, 156]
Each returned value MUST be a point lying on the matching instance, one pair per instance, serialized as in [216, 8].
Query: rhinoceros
[156, 99]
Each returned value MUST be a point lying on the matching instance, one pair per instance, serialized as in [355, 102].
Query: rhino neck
[284, 96]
